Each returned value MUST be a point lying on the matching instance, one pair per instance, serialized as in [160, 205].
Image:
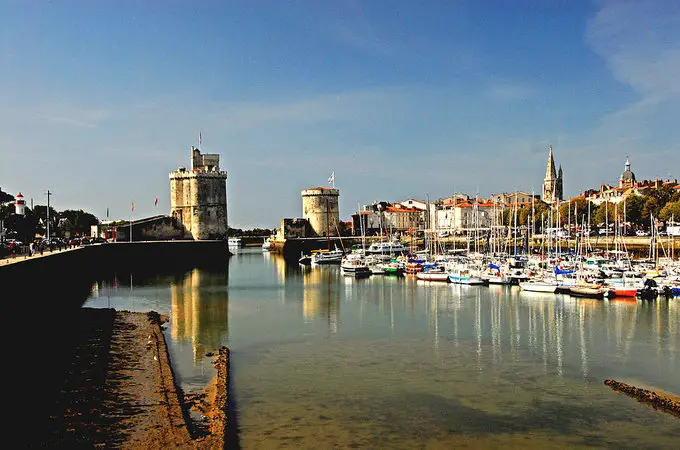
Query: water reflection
[444, 347]
[200, 310]
[321, 296]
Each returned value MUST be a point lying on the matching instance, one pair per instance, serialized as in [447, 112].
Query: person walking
[31, 249]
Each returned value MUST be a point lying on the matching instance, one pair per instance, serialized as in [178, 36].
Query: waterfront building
[468, 215]
[320, 209]
[398, 218]
[628, 185]
[198, 197]
[510, 198]
[553, 182]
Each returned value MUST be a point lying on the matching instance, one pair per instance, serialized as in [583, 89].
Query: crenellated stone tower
[320, 209]
[198, 198]
[552, 183]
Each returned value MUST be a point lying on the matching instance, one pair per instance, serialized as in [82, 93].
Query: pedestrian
[12, 249]
[31, 249]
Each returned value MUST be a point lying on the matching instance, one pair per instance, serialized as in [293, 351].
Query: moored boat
[538, 286]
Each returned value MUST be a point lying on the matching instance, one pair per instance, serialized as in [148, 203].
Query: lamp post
[48, 215]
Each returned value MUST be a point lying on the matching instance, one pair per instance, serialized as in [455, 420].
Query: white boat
[327, 256]
[354, 264]
[235, 242]
[433, 274]
[538, 286]
[462, 274]
[386, 248]
[305, 259]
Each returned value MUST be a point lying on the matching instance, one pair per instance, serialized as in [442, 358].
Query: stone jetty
[660, 401]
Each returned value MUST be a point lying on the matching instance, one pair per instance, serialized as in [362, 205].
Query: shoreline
[120, 390]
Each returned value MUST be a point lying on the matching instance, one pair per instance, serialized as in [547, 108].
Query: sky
[100, 101]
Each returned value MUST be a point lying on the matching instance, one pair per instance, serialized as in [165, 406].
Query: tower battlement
[198, 197]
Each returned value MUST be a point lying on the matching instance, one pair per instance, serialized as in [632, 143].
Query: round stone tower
[320, 209]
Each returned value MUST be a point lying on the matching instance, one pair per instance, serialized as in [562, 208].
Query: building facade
[198, 197]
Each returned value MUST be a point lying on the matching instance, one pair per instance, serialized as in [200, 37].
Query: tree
[603, 213]
[41, 219]
[670, 211]
[573, 210]
[80, 220]
[5, 197]
[630, 209]
[650, 208]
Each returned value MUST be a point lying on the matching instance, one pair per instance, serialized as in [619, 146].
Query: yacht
[386, 248]
[327, 256]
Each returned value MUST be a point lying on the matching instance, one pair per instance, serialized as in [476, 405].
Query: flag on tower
[331, 179]
[199, 140]
[133, 206]
[155, 203]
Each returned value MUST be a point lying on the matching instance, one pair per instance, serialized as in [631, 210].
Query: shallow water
[320, 360]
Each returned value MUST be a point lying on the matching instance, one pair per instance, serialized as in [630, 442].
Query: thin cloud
[508, 91]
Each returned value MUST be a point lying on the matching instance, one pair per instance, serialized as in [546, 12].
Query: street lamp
[48, 215]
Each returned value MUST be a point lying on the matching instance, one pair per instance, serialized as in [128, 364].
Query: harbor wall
[35, 280]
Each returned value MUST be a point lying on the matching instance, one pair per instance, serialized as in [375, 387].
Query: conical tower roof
[550, 173]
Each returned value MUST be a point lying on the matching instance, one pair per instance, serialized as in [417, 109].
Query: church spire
[550, 173]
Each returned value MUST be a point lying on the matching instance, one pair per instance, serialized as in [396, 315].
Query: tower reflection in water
[200, 309]
[321, 296]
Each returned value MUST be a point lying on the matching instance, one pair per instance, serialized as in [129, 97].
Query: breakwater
[73, 271]
[661, 402]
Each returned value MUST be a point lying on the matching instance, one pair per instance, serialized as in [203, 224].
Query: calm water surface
[320, 360]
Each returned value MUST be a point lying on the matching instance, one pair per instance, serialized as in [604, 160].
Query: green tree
[630, 210]
[80, 220]
[605, 212]
[5, 197]
[41, 220]
[651, 207]
[670, 211]
[573, 211]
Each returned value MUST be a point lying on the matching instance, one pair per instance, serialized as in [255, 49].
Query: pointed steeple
[550, 170]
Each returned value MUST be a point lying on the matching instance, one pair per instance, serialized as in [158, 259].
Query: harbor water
[323, 360]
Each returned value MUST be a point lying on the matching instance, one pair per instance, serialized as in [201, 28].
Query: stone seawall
[42, 296]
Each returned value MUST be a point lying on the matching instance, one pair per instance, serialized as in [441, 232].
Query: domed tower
[320, 209]
[20, 205]
[627, 179]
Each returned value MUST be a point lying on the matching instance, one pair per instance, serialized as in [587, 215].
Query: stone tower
[559, 189]
[552, 183]
[198, 198]
[320, 209]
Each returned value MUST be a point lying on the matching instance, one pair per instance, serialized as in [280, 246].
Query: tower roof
[627, 175]
[550, 173]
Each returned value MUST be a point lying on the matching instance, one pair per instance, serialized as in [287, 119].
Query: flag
[107, 212]
[199, 139]
[133, 206]
[331, 179]
[155, 203]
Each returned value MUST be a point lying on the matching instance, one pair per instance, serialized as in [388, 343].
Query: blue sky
[401, 99]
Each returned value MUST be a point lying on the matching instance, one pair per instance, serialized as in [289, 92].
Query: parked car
[99, 240]
[641, 233]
